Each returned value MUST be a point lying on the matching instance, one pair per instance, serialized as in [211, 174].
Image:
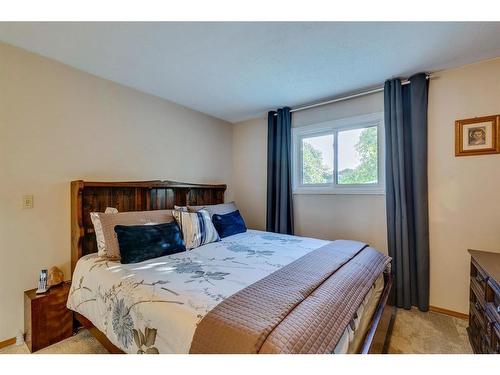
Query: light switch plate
[27, 201]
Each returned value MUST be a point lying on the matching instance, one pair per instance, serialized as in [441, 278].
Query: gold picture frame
[477, 136]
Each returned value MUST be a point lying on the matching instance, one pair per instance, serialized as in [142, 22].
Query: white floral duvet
[154, 306]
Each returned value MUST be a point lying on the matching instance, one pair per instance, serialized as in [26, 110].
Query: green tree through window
[314, 171]
[367, 170]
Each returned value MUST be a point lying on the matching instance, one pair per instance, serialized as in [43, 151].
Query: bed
[156, 306]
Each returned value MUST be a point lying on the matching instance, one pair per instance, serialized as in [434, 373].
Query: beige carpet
[416, 332]
[81, 343]
[413, 332]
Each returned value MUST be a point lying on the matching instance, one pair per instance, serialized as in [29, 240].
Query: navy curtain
[406, 189]
[279, 172]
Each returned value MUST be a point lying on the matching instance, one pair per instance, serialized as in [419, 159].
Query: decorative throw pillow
[96, 221]
[143, 242]
[219, 209]
[229, 224]
[196, 227]
[104, 224]
[181, 208]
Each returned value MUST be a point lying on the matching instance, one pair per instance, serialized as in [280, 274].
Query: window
[317, 160]
[339, 157]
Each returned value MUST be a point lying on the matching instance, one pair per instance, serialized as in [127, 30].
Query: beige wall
[464, 204]
[250, 171]
[59, 124]
[360, 217]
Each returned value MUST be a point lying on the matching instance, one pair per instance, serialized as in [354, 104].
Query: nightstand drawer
[46, 318]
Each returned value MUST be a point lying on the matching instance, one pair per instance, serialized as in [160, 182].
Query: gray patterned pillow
[215, 209]
[196, 227]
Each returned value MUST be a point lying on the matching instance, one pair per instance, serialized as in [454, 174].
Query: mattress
[155, 306]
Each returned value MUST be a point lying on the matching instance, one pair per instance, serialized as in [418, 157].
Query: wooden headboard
[88, 197]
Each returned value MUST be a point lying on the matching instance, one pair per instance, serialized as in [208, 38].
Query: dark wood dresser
[46, 318]
[484, 310]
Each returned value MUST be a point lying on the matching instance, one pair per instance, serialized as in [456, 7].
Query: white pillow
[99, 234]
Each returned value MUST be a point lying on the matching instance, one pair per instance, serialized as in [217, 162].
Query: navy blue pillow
[142, 242]
[229, 224]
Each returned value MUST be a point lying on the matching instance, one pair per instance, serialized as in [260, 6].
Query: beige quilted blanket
[302, 308]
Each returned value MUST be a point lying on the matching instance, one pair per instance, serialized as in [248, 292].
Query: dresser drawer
[490, 320]
[478, 301]
[496, 338]
[477, 273]
[485, 346]
[493, 295]
[476, 318]
[479, 291]
[473, 337]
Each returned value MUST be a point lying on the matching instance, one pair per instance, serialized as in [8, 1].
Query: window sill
[341, 191]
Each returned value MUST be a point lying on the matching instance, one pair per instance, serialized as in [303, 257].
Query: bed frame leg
[378, 337]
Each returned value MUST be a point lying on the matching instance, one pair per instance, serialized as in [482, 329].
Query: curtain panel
[406, 189]
[279, 172]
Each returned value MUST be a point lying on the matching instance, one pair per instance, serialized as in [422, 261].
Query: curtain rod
[352, 96]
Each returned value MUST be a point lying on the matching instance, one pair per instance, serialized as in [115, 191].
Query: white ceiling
[239, 70]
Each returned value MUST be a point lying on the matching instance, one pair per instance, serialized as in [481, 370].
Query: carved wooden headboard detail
[88, 197]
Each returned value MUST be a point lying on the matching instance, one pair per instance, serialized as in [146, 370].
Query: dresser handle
[479, 278]
[478, 306]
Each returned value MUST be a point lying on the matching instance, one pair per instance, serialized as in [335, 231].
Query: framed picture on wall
[477, 136]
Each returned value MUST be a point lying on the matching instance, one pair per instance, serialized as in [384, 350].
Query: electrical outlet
[27, 201]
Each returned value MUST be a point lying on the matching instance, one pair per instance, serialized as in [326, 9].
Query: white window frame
[334, 127]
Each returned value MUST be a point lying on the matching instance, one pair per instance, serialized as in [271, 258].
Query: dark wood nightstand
[46, 318]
